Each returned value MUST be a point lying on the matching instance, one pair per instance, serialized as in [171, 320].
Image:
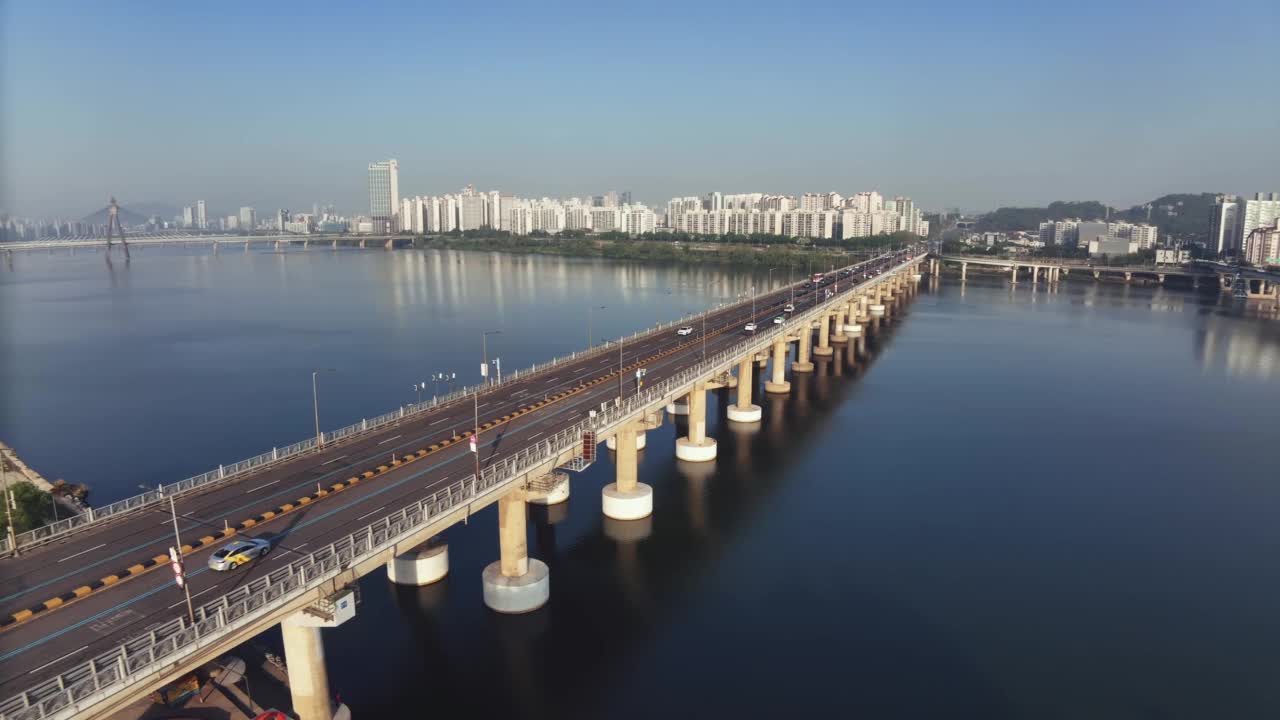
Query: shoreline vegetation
[750, 250]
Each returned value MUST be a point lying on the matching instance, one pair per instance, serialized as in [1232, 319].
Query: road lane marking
[438, 421]
[273, 482]
[384, 442]
[193, 597]
[82, 552]
[537, 434]
[368, 514]
[331, 461]
[64, 657]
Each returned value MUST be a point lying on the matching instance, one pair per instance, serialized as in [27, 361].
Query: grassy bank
[720, 253]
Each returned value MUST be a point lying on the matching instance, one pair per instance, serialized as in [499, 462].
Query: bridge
[1250, 282]
[90, 618]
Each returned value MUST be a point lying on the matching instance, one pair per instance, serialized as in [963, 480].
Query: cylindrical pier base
[703, 451]
[748, 414]
[627, 505]
[777, 388]
[612, 442]
[678, 408]
[520, 594]
[422, 565]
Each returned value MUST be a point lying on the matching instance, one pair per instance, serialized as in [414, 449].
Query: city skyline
[943, 108]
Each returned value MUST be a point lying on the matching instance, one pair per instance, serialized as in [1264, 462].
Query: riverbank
[742, 255]
[33, 496]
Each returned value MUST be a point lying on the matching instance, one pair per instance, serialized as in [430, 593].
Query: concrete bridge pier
[877, 316]
[1160, 278]
[1013, 276]
[802, 363]
[612, 443]
[824, 337]
[697, 447]
[744, 411]
[778, 384]
[964, 271]
[1097, 275]
[423, 565]
[838, 336]
[304, 661]
[856, 342]
[626, 498]
[334, 245]
[515, 583]
[678, 407]
[1128, 277]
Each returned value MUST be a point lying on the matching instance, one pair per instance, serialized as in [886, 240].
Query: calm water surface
[1028, 504]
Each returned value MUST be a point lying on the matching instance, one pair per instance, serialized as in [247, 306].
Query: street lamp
[315, 402]
[621, 393]
[589, 336]
[177, 555]
[484, 344]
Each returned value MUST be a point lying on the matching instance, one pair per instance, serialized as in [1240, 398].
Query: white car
[779, 320]
[789, 308]
[684, 330]
[750, 327]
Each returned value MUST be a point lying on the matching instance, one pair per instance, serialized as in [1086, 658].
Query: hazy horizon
[285, 105]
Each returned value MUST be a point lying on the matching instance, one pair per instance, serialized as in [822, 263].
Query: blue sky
[284, 104]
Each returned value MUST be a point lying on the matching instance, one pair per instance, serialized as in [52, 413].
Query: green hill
[1183, 215]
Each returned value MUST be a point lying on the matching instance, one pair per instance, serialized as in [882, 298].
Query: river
[1028, 503]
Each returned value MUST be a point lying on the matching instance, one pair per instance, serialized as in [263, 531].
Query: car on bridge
[237, 553]
[789, 308]
[779, 320]
[749, 328]
[685, 330]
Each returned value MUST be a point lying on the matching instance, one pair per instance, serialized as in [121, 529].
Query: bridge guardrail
[93, 516]
[169, 642]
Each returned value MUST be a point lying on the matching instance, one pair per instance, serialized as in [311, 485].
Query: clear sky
[281, 104]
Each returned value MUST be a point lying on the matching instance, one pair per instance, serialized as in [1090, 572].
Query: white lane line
[575, 372]
[384, 442]
[64, 657]
[369, 513]
[273, 482]
[537, 434]
[331, 461]
[82, 552]
[193, 597]
[294, 548]
[438, 421]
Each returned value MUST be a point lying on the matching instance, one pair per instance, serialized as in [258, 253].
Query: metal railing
[206, 480]
[163, 646]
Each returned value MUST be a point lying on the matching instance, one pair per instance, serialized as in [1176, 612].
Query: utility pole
[475, 435]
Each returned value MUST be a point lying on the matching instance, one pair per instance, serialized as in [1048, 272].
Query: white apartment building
[1262, 247]
[202, 215]
[606, 219]
[1260, 212]
[248, 218]
[867, 202]
[637, 219]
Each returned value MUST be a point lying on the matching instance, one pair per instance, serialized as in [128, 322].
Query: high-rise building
[1262, 246]
[384, 195]
[1224, 225]
[202, 216]
[1260, 212]
[472, 211]
[188, 217]
[248, 218]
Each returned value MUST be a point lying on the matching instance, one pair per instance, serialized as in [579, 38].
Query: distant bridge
[1256, 283]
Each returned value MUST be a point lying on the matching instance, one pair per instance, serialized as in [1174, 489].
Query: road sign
[473, 443]
[176, 563]
[484, 370]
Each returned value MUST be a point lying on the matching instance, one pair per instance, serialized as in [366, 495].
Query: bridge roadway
[39, 646]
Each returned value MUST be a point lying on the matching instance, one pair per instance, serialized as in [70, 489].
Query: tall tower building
[384, 195]
[202, 216]
[1224, 225]
[248, 218]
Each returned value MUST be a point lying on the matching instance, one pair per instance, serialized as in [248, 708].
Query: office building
[1260, 212]
[248, 218]
[1262, 246]
[384, 195]
[1224, 225]
[188, 217]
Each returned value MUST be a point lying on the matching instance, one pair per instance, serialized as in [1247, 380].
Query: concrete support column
[641, 435]
[838, 336]
[308, 679]
[516, 583]
[1128, 277]
[856, 345]
[423, 565]
[1097, 274]
[778, 383]
[964, 271]
[824, 337]
[744, 411]
[697, 447]
[1014, 275]
[802, 363]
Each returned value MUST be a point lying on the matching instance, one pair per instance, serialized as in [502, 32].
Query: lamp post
[8, 503]
[484, 345]
[181, 578]
[315, 402]
[589, 335]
